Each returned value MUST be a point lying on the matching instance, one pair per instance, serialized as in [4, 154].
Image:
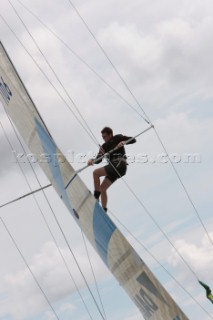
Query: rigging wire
[52, 235]
[40, 189]
[59, 95]
[103, 156]
[30, 270]
[121, 79]
[80, 114]
[46, 77]
[55, 74]
[152, 218]
[109, 60]
[146, 118]
[78, 56]
[62, 84]
[184, 188]
[158, 262]
[104, 52]
[171, 162]
[149, 252]
[25, 195]
[165, 235]
[93, 273]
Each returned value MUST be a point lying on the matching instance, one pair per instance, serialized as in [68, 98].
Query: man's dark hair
[107, 130]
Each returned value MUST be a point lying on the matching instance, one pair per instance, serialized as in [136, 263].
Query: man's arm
[100, 154]
[125, 138]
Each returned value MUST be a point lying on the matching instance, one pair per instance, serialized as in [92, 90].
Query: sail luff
[27, 96]
[134, 276]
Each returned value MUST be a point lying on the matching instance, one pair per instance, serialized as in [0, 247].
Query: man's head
[107, 134]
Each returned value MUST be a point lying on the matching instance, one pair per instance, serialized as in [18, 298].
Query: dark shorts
[116, 170]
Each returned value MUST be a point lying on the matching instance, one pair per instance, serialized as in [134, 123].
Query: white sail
[134, 276]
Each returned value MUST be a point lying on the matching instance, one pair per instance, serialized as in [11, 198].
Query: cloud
[181, 132]
[199, 256]
[24, 297]
[172, 60]
[66, 307]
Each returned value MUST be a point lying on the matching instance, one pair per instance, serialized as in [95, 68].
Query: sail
[131, 272]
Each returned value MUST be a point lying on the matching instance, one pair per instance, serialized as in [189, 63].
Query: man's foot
[105, 209]
[97, 194]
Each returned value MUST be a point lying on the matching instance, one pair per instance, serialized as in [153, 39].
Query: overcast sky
[163, 49]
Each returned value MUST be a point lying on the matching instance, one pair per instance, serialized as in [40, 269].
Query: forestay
[133, 275]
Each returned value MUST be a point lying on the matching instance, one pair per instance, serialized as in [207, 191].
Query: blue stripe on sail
[50, 149]
[103, 229]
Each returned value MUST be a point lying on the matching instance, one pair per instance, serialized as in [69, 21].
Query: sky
[163, 50]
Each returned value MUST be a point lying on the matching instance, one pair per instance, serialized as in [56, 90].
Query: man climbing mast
[116, 167]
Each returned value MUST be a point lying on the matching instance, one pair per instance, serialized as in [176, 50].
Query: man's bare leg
[104, 186]
[100, 172]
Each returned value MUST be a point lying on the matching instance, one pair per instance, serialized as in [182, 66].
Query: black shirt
[108, 146]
